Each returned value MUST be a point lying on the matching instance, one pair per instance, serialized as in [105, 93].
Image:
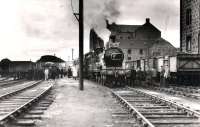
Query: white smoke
[96, 12]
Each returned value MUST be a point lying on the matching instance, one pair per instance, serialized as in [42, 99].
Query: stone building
[140, 41]
[190, 26]
[162, 47]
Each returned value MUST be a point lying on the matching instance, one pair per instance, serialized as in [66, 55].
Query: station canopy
[50, 58]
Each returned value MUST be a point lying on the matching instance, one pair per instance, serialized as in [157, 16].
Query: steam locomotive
[112, 73]
[106, 65]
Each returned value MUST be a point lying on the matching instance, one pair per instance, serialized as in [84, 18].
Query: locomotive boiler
[112, 71]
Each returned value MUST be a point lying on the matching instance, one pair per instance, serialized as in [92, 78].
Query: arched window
[188, 16]
[188, 43]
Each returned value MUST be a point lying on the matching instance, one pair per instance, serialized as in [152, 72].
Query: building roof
[160, 42]
[50, 58]
[6, 60]
[130, 28]
[125, 28]
[22, 62]
[148, 25]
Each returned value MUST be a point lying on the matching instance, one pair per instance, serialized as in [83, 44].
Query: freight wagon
[184, 68]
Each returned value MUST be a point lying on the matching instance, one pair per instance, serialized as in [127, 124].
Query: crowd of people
[150, 77]
[53, 73]
[72, 72]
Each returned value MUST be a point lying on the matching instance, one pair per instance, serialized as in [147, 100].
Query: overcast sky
[32, 28]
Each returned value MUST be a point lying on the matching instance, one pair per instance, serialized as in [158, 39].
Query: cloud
[34, 28]
[31, 28]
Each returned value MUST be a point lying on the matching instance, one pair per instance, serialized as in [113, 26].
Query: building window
[129, 51]
[188, 16]
[129, 58]
[138, 63]
[141, 51]
[198, 47]
[188, 43]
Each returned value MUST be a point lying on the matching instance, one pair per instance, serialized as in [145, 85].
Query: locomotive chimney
[107, 23]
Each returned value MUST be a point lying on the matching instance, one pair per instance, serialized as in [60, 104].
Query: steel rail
[169, 102]
[3, 119]
[18, 90]
[4, 83]
[145, 122]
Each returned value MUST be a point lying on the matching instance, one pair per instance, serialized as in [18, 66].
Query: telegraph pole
[81, 40]
[79, 16]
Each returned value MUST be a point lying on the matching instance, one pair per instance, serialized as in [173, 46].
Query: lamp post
[147, 55]
[72, 54]
[77, 8]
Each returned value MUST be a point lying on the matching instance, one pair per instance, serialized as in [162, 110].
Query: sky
[32, 28]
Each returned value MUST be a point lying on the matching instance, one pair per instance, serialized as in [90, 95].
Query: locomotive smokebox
[113, 57]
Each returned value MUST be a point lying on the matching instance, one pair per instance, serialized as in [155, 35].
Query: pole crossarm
[76, 16]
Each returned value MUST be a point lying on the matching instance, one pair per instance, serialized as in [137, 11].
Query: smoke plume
[96, 12]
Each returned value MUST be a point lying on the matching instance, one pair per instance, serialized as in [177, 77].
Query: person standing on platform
[133, 76]
[69, 72]
[46, 73]
[166, 76]
[148, 77]
[154, 75]
[74, 72]
[62, 73]
[162, 79]
[139, 76]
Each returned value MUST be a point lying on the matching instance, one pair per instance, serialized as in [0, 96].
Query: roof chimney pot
[147, 20]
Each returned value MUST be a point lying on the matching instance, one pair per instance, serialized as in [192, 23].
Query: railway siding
[13, 103]
[152, 111]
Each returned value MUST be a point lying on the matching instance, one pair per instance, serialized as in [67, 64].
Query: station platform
[74, 108]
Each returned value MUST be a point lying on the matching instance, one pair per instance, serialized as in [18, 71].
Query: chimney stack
[107, 23]
[147, 20]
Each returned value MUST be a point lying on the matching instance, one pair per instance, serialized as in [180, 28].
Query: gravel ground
[74, 108]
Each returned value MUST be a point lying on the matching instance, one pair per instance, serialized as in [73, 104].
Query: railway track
[11, 83]
[121, 117]
[193, 92]
[152, 111]
[4, 92]
[185, 91]
[3, 79]
[8, 79]
[14, 102]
